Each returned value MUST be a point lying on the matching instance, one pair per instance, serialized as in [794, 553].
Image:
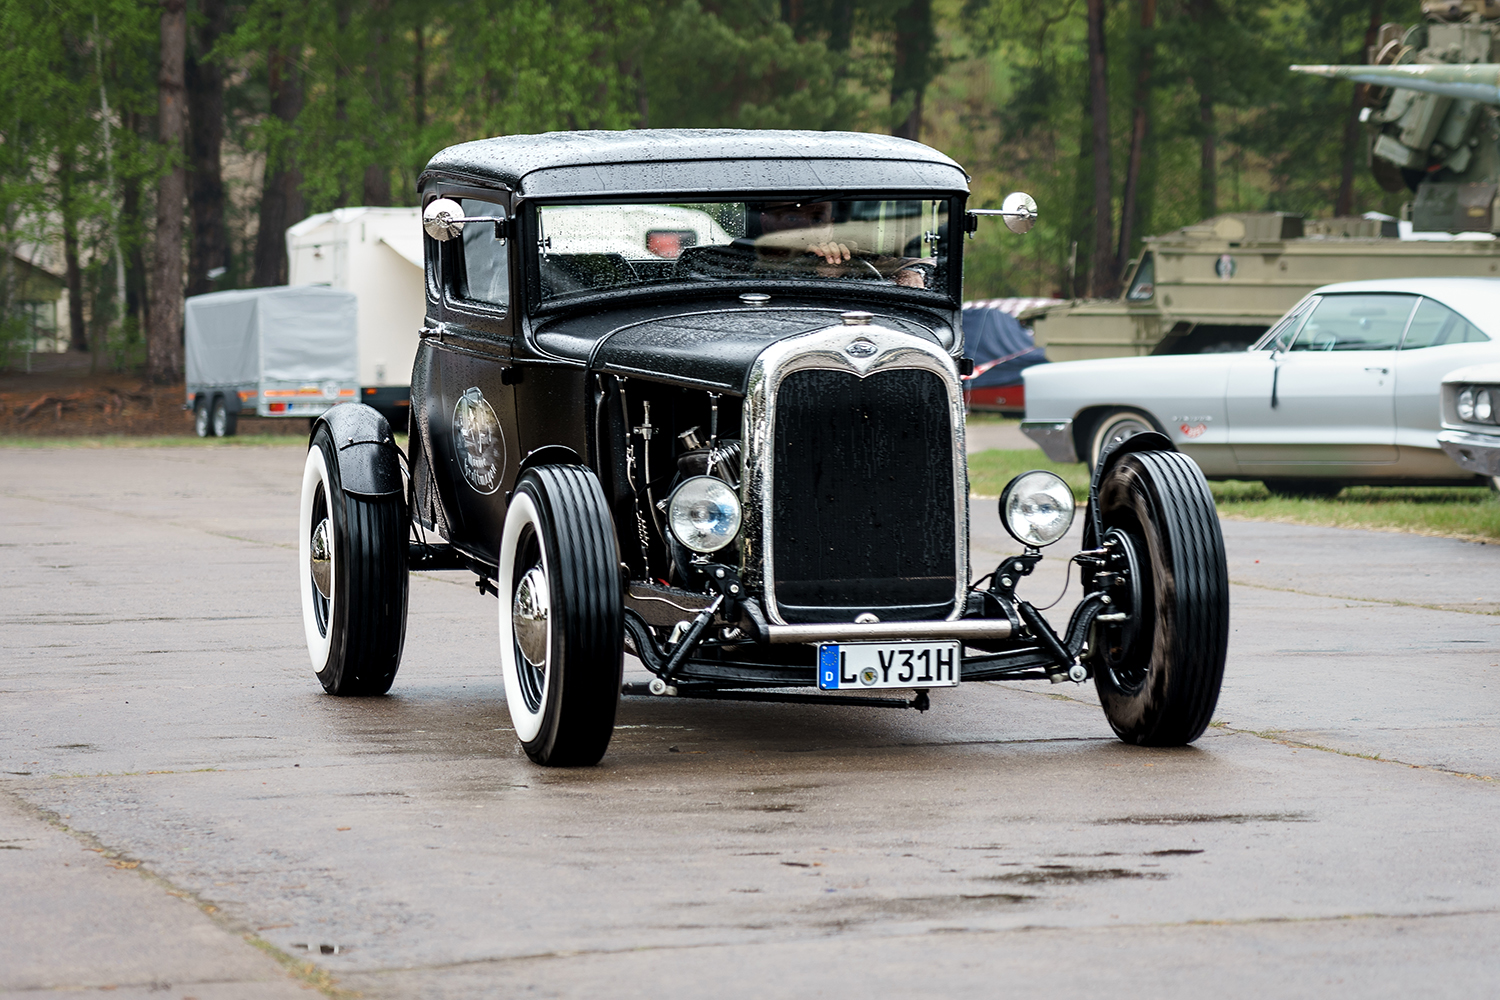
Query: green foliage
[1278, 135]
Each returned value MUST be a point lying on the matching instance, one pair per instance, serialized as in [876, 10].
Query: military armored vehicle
[1431, 102]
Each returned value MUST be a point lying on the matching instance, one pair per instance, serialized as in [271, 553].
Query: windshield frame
[947, 297]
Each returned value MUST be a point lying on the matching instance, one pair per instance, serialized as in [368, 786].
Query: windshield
[589, 248]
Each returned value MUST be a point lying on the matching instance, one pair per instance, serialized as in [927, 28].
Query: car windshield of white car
[583, 249]
[1367, 322]
[1435, 325]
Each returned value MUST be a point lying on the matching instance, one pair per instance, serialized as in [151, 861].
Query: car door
[1319, 398]
[473, 425]
[1437, 341]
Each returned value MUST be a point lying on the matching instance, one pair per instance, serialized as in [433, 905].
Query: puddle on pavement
[1068, 875]
[1186, 818]
[924, 907]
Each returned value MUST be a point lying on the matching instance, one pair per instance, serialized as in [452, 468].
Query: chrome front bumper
[964, 628]
[1055, 437]
[1477, 453]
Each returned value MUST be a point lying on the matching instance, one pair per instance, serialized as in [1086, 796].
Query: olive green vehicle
[1433, 106]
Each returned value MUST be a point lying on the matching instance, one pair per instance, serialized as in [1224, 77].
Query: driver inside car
[791, 229]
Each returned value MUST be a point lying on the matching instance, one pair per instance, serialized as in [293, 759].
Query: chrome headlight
[1037, 508]
[704, 514]
[1466, 405]
[1484, 410]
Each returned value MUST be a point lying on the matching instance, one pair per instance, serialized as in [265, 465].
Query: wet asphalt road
[175, 785]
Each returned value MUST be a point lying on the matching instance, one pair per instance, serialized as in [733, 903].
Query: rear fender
[369, 460]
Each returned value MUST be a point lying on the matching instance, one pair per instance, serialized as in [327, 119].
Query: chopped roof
[645, 161]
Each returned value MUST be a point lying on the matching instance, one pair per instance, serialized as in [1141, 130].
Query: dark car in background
[697, 395]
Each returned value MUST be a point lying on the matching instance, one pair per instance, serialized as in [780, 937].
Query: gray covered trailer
[269, 352]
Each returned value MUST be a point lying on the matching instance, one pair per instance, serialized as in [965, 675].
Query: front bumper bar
[1478, 453]
[963, 628]
[1054, 436]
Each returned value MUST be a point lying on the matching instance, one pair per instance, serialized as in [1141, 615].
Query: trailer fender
[369, 460]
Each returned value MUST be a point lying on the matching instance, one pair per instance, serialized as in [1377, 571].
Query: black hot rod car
[697, 395]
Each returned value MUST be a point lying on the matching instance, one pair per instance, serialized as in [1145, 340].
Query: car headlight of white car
[1477, 405]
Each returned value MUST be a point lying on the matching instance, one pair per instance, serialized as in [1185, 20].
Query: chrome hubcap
[320, 561]
[529, 616]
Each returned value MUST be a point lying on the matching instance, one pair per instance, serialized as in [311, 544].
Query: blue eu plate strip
[828, 667]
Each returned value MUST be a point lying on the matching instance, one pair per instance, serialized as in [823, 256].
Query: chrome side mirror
[1018, 211]
[443, 219]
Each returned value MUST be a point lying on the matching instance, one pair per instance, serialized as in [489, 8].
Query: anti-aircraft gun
[1433, 100]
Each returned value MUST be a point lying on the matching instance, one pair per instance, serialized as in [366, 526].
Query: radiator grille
[862, 512]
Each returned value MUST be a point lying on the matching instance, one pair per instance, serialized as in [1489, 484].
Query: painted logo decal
[478, 442]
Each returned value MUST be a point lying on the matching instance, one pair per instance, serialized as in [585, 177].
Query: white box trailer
[274, 352]
[376, 253]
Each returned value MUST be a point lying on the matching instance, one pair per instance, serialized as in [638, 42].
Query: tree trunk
[419, 80]
[377, 181]
[132, 216]
[915, 40]
[1208, 158]
[1140, 127]
[73, 274]
[209, 249]
[341, 16]
[840, 25]
[1106, 268]
[281, 202]
[1344, 203]
[164, 337]
[1208, 151]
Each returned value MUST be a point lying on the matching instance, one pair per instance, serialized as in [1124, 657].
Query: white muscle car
[1471, 419]
[1342, 390]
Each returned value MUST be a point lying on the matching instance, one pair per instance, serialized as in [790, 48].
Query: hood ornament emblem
[861, 348]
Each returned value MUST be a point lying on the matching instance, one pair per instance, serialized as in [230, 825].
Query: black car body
[697, 394]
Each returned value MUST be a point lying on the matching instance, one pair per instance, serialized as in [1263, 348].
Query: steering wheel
[1325, 341]
[855, 267]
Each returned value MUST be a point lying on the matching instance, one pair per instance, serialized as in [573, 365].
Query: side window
[1280, 336]
[1435, 325]
[1355, 323]
[486, 270]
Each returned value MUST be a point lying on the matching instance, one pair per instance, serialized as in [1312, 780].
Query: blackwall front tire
[201, 424]
[562, 622]
[1113, 427]
[1159, 686]
[352, 567]
[225, 419]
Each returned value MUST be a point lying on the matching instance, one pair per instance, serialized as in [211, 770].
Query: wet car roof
[661, 161]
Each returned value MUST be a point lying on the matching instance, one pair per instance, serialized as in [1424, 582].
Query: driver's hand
[833, 253]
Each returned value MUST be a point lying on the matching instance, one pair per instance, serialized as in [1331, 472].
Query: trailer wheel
[562, 626]
[352, 566]
[225, 419]
[1159, 673]
[201, 425]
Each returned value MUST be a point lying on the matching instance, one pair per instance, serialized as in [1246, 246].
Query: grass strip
[1470, 513]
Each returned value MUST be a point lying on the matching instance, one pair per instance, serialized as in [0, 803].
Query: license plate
[844, 665]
